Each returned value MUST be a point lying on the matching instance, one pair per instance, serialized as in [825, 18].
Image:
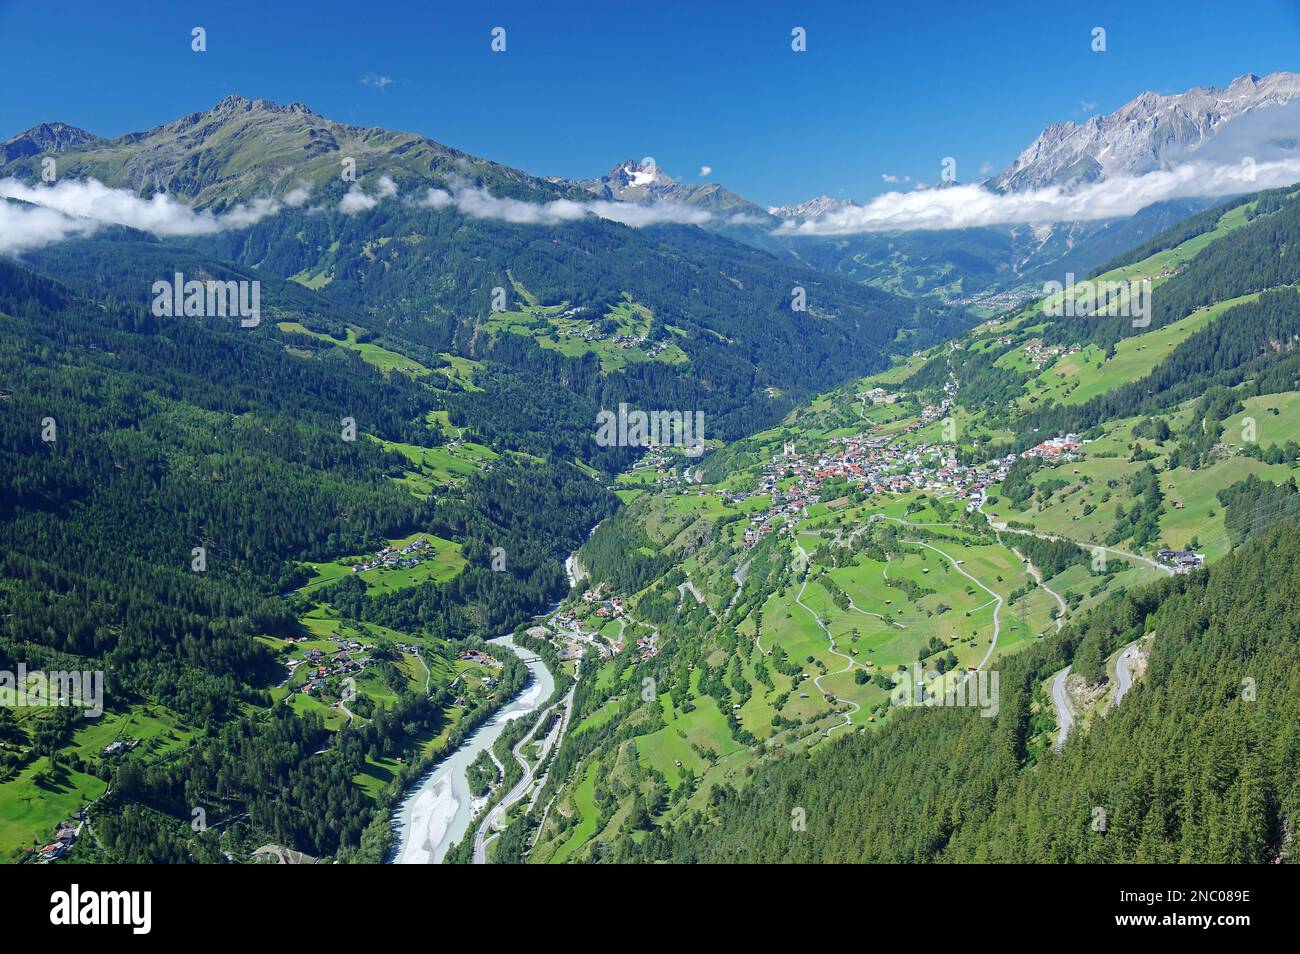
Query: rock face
[1148, 133]
[644, 181]
[810, 209]
[45, 139]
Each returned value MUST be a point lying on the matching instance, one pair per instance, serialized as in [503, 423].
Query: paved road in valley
[486, 828]
[1002, 526]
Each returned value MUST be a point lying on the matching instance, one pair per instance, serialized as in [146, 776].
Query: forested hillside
[727, 306]
[1200, 764]
[1230, 264]
[163, 484]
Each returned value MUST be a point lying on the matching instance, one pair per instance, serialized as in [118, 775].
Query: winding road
[997, 623]
[738, 576]
[1038, 578]
[1123, 554]
[1123, 675]
[817, 681]
[1064, 711]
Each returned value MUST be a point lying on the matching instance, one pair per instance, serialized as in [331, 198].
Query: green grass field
[40, 796]
[382, 358]
[445, 563]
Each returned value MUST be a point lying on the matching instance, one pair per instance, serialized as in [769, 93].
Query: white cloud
[73, 209]
[377, 82]
[480, 204]
[706, 171]
[357, 201]
[885, 176]
[25, 227]
[436, 199]
[658, 213]
[972, 206]
[78, 207]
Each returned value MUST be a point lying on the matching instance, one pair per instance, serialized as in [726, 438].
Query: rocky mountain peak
[45, 139]
[1151, 131]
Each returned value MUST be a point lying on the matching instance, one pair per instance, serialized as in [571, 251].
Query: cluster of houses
[1062, 448]
[879, 396]
[667, 471]
[571, 634]
[872, 462]
[480, 657]
[65, 836]
[607, 608]
[392, 558]
[1042, 354]
[999, 301]
[1182, 561]
[321, 665]
[647, 647]
[790, 504]
[591, 334]
[932, 412]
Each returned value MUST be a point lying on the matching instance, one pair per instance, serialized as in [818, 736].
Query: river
[435, 815]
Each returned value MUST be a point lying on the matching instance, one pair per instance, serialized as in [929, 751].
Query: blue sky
[883, 88]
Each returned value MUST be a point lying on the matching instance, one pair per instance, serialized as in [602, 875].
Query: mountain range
[1155, 131]
[244, 149]
[418, 240]
[1253, 117]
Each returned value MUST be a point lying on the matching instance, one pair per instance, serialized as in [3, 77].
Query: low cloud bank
[27, 227]
[478, 203]
[972, 206]
[77, 208]
[74, 208]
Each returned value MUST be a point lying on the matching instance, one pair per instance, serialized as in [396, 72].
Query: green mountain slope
[1198, 765]
[426, 275]
[243, 148]
[169, 487]
[896, 522]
